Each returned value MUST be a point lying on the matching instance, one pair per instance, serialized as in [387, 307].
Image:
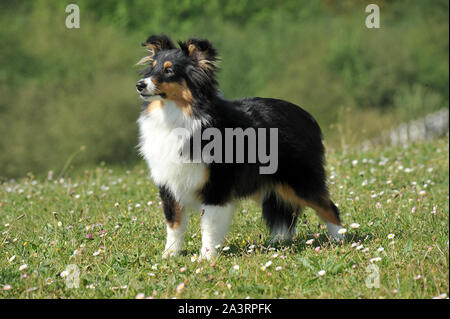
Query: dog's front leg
[176, 223]
[215, 223]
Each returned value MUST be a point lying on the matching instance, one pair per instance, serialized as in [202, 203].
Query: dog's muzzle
[148, 91]
[140, 86]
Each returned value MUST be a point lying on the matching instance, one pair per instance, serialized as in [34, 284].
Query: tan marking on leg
[257, 197]
[206, 176]
[287, 194]
[326, 213]
[158, 104]
[178, 216]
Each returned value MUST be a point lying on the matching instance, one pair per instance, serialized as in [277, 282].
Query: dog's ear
[200, 52]
[156, 43]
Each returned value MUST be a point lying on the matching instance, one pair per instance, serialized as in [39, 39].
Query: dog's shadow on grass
[299, 244]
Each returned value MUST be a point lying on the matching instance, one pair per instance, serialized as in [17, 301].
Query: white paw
[336, 232]
[170, 253]
[207, 254]
[337, 238]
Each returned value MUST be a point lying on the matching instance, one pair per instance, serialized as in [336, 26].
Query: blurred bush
[61, 89]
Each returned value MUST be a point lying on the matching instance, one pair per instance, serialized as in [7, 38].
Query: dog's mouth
[163, 95]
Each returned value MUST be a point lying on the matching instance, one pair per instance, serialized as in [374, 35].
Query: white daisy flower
[140, 296]
[23, 267]
[180, 288]
[98, 252]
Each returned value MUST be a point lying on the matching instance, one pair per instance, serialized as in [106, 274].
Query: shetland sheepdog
[180, 91]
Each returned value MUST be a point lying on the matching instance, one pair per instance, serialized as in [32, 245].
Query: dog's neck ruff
[161, 146]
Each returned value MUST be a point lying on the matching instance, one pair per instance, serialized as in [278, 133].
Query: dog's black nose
[140, 85]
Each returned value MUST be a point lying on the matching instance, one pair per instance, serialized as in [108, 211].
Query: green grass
[377, 190]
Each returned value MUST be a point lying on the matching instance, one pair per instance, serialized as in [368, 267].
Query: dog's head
[181, 74]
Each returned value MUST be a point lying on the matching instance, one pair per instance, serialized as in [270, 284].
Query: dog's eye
[168, 71]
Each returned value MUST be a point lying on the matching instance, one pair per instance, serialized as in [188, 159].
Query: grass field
[109, 223]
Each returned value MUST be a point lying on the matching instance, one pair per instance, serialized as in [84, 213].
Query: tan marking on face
[179, 93]
[154, 63]
[324, 211]
[154, 105]
[167, 64]
[178, 217]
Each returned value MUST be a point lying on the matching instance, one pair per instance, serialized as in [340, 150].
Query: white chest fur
[160, 145]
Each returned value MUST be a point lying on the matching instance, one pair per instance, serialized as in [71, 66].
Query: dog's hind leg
[280, 217]
[323, 206]
[329, 213]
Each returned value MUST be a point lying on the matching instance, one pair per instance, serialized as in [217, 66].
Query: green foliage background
[61, 89]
